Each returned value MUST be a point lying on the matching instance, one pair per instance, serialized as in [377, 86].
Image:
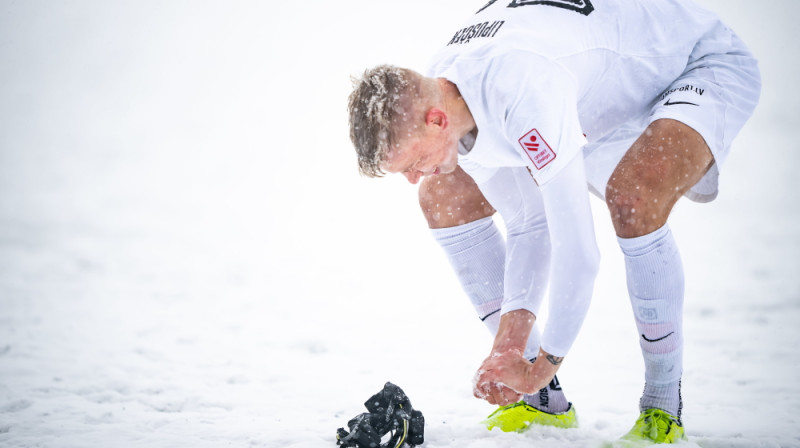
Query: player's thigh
[662, 164]
[453, 199]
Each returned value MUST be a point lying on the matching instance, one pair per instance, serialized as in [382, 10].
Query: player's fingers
[508, 395]
[480, 390]
[493, 396]
[491, 399]
[487, 391]
[494, 393]
[499, 395]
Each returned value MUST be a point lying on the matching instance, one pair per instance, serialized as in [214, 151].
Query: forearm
[512, 335]
[543, 370]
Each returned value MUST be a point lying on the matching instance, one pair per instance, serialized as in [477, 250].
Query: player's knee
[449, 200]
[635, 210]
[664, 162]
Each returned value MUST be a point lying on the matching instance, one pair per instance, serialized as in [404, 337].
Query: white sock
[656, 287]
[477, 253]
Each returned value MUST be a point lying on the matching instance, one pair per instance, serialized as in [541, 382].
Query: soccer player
[528, 103]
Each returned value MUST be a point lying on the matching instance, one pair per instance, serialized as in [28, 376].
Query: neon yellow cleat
[520, 416]
[655, 425]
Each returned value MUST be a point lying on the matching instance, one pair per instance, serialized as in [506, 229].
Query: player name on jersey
[485, 29]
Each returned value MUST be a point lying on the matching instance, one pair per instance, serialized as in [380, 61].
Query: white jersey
[541, 78]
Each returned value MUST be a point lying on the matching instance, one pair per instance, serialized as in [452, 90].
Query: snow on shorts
[715, 95]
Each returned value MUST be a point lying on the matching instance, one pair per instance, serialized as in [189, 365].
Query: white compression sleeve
[575, 257]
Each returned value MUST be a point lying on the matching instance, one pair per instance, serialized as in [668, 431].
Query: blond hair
[381, 100]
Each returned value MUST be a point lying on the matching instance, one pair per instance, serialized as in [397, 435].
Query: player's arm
[544, 126]
[534, 110]
[574, 262]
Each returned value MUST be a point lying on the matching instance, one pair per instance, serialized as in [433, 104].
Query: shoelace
[656, 419]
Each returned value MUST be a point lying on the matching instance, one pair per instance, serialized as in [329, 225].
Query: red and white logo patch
[537, 149]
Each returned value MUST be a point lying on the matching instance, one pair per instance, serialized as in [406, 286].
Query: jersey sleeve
[535, 100]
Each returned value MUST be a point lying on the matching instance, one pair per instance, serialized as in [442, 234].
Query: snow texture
[188, 256]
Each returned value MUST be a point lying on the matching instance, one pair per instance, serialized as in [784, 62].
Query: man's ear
[436, 117]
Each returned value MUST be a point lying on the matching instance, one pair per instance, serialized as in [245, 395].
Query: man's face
[434, 152]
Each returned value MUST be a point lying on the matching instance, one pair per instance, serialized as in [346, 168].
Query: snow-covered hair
[380, 100]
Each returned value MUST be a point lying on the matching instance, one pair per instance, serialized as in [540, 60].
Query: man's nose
[413, 176]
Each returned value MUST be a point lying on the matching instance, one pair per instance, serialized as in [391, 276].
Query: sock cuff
[458, 238]
[488, 309]
[641, 245]
[470, 227]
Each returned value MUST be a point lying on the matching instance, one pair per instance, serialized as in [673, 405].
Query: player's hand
[504, 377]
[497, 394]
[501, 378]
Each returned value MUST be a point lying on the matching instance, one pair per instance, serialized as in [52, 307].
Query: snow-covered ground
[188, 257]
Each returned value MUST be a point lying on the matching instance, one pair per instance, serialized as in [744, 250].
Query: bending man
[508, 111]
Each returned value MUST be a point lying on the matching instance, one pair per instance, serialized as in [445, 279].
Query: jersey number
[582, 6]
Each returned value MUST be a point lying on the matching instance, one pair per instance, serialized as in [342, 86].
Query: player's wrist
[541, 372]
[550, 360]
[515, 327]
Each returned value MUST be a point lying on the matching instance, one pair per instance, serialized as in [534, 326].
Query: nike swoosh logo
[657, 339]
[668, 103]
[487, 316]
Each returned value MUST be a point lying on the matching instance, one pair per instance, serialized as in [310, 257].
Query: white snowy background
[189, 258]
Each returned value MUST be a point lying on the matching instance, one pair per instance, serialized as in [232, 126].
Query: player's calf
[449, 200]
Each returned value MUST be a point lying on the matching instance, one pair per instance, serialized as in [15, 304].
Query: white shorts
[715, 96]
